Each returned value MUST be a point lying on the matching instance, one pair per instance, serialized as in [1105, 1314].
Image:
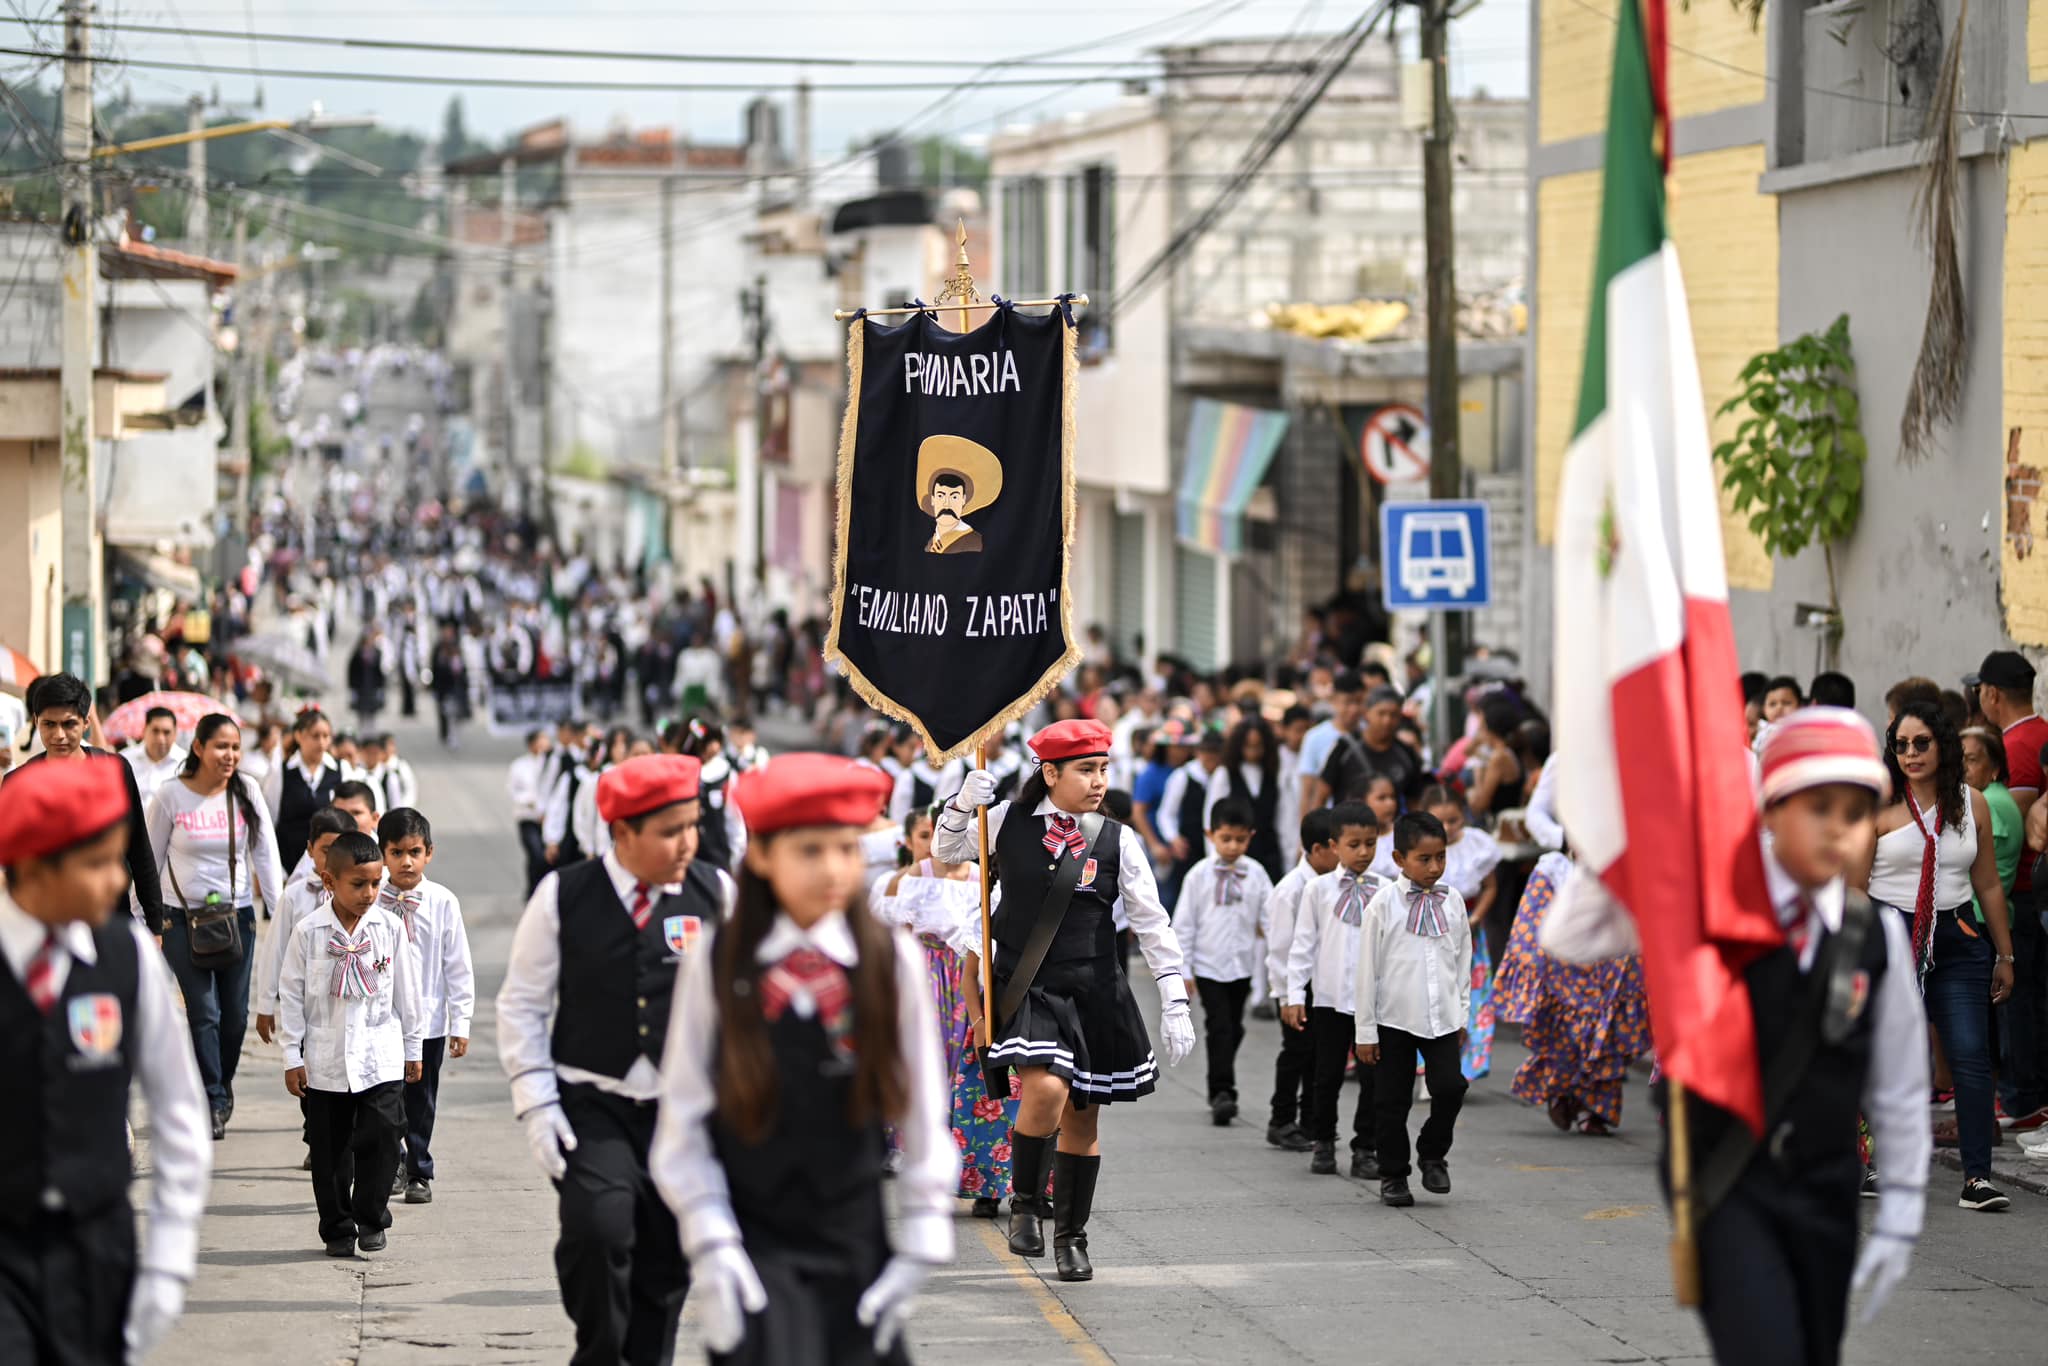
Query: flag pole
[1685, 1253]
[959, 289]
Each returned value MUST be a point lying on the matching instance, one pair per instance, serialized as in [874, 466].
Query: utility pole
[81, 568]
[761, 439]
[243, 386]
[508, 196]
[195, 170]
[671, 437]
[748, 557]
[1446, 473]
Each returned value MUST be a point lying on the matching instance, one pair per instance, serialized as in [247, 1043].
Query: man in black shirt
[1375, 752]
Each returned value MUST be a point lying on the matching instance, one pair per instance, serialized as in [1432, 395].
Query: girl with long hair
[800, 1030]
[303, 783]
[1251, 773]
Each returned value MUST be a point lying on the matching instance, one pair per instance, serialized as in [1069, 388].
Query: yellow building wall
[2025, 540]
[2037, 40]
[1717, 62]
[1727, 239]
[31, 542]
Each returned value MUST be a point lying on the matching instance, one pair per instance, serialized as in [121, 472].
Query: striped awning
[1229, 447]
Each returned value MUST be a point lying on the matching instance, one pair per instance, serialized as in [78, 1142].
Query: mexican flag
[1655, 786]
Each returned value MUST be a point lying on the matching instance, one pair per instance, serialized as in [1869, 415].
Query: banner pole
[1685, 1255]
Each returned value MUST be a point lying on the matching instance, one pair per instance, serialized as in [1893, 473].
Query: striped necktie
[1354, 890]
[1229, 884]
[1063, 832]
[643, 905]
[42, 974]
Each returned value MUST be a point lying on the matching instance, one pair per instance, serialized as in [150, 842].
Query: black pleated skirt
[1080, 1021]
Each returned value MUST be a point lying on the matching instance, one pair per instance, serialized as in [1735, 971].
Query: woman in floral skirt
[1583, 1024]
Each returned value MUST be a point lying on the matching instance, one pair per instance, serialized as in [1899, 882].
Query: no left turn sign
[1395, 447]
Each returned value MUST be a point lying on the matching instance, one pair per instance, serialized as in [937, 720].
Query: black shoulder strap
[1827, 1009]
[1051, 912]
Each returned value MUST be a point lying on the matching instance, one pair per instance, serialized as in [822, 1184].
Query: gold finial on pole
[959, 286]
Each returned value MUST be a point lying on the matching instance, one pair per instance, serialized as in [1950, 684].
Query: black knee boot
[1030, 1158]
[1073, 1195]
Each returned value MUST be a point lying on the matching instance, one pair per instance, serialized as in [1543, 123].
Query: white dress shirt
[683, 1161]
[1420, 984]
[300, 900]
[1324, 954]
[396, 783]
[1221, 942]
[439, 945]
[556, 816]
[1282, 908]
[1469, 862]
[944, 782]
[954, 841]
[523, 785]
[526, 1001]
[348, 1043]
[150, 773]
[181, 1142]
[593, 836]
[1166, 819]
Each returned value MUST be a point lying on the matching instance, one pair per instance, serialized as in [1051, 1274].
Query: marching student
[439, 946]
[302, 784]
[359, 800]
[529, 803]
[721, 833]
[397, 784]
[1777, 1239]
[303, 894]
[1221, 905]
[1294, 1069]
[1182, 807]
[806, 1027]
[1414, 997]
[582, 1020]
[1322, 973]
[86, 1008]
[1066, 1018]
[348, 1016]
[920, 785]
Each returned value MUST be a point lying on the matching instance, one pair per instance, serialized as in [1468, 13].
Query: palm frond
[1936, 390]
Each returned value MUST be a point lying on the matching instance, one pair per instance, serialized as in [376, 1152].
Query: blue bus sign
[1434, 556]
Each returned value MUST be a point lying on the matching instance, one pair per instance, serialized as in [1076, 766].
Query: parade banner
[950, 609]
[519, 707]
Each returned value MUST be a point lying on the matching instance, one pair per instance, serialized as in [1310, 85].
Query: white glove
[1883, 1264]
[977, 789]
[153, 1307]
[552, 1140]
[888, 1302]
[1177, 1032]
[724, 1277]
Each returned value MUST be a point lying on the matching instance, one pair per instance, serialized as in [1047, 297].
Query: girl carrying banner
[1065, 1016]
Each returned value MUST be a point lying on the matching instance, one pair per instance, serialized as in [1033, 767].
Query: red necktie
[42, 975]
[1065, 833]
[643, 904]
[1801, 930]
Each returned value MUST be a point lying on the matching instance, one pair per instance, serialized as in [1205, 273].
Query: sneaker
[372, 1241]
[2034, 1143]
[1288, 1138]
[1394, 1191]
[419, 1192]
[1943, 1100]
[1869, 1183]
[1324, 1161]
[1979, 1194]
[2024, 1124]
[1365, 1166]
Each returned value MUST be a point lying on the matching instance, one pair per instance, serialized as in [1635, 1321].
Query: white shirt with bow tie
[1420, 984]
[1221, 939]
[439, 945]
[1324, 955]
[348, 1043]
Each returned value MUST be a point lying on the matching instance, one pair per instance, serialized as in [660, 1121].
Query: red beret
[645, 784]
[798, 790]
[52, 804]
[1065, 740]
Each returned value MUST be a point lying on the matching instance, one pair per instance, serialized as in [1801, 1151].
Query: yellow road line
[1048, 1304]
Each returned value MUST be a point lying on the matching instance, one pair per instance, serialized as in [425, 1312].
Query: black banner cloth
[950, 608]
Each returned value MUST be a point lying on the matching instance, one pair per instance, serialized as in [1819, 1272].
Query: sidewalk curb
[2013, 1171]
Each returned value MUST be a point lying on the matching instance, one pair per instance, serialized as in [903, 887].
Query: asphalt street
[1210, 1246]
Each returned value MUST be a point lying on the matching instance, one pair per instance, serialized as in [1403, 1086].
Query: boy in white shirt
[1322, 964]
[304, 893]
[1414, 997]
[1222, 902]
[349, 1018]
[439, 947]
[1294, 1069]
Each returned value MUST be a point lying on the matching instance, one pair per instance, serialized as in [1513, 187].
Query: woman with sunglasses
[1927, 862]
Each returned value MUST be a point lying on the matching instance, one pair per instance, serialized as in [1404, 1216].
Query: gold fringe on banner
[1070, 370]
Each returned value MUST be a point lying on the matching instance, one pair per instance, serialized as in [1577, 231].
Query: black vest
[1026, 869]
[616, 982]
[1194, 817]
[714, 844]
[1815, 1136]
[571, 849]
[64, 1148]
[1265, 846]
[814, 1184]
[296, 802]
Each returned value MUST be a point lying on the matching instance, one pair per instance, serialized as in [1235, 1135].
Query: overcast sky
[1490, 46]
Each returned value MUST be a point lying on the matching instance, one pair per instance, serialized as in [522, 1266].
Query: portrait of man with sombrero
[955, 477]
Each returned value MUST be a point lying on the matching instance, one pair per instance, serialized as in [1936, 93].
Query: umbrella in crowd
[17, 671]
[124, 723]
[286, 660]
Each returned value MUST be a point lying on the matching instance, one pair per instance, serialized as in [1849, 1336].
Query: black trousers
[1294, 1075]
[408, 705]
[1394, 1095]
[536, 850]
[1330, 1035]
[421, 1099]
[619, 1258]
[1222, 1029]
[355, 1154]
[64, 1285]
[2023, 1017]
[1775, 1260]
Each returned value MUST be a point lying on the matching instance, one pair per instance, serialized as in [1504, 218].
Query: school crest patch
[95, 1024]
[681, 932]
[1088, 874]
[1859, 994]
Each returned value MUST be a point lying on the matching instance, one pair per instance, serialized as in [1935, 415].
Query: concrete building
[1218, 496]
[1792, 190]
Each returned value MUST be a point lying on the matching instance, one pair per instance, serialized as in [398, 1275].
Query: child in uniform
[349, 1019]
[1414, 996]
[805, 1027]
[439, 946]
[1322, 964]
[302, 896]
[86, 1008]
[1221, 904]
[1294, 1069]
[359, 799]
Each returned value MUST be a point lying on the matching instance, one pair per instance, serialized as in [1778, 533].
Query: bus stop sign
[1434, 556]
